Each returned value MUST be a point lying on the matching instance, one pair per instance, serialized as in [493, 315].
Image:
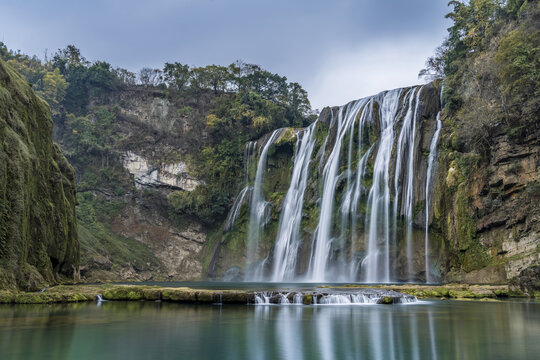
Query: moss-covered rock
[38, 233]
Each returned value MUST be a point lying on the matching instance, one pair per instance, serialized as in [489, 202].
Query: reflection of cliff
[35, 332]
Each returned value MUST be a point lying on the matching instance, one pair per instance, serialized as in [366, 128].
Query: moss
[124, 293]
[287, 137]
[6, 297]
[38, 237]
[462, 294]
[308, 299]
[180, 295]
[97, 239]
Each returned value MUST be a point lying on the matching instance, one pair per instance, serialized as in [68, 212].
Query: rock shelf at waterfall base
[353, 294]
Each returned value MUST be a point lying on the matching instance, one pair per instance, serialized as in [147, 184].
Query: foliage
[46, 80]
[176, 75]
[246, 102]
[149, 77]
[491, 66]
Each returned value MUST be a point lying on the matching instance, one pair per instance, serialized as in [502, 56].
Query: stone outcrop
[149, 158]
[487, 209]
[145, 174]
[38, 236]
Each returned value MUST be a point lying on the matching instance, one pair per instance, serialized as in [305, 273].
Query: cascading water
[362, 297]
[240, 198]
[379, 195]
[258, 208]
[235, 209]
[429, 176]
[364, 174]
[404, 179]
[322, 241]
[287, 240]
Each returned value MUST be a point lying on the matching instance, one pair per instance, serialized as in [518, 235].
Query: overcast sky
[338, 50]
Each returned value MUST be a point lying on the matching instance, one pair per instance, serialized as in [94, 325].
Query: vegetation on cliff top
[248, 101]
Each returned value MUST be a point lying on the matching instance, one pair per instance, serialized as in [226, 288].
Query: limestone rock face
[177, 249]
[487, 209]
[174, 176]
[147, 159]
[38, 236]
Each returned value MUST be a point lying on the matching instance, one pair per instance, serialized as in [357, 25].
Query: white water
[350, 298]
[258, 208]
[404, 178]
[322, 242]
[429, 177]
[366, 182]
[239, 199]
[378, 223]
[288, 236]
[236, 207]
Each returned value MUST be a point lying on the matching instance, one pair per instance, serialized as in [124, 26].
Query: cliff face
[139, 147]
[348, 205]
[38, 228]
[482, 217]
[487, 207]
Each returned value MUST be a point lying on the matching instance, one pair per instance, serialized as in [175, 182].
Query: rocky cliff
[38, 228]
[487, 205]
[482, 220]
[137, 152]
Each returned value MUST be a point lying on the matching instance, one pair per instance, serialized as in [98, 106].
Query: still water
[139, 330]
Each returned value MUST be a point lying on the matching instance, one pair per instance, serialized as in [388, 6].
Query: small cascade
[218, 299]
[239, 200]
[340, 299]
[363, 297]
[269, 297]
[430, 171]
[258, 208]
[236, 207]
[298, 299]
[287, 240]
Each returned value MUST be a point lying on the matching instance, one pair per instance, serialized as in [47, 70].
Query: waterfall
[258, 208]
[429, 177]
[322, 241]
[363, 183]
[235, 209]
[405, 153]
[287, 240]
[379, 194]
[239, 199]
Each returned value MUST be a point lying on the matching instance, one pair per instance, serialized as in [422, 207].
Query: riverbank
[392, 293]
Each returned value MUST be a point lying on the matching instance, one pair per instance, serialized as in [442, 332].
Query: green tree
[176, 75]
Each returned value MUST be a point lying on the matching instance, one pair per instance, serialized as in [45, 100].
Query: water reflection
[438, 330]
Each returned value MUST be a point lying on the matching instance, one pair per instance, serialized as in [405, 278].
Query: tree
[176, 75]
[124, 76]
[150, 77]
